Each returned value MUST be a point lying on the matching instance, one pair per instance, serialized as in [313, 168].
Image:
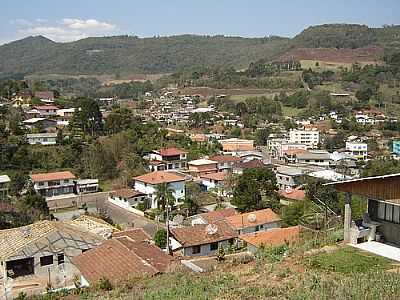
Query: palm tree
[165, 198]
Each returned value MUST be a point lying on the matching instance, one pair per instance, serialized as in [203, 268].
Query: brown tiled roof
[263, 216]
[272, 237]
[197, 235]
[217, 215]
[156, 162]
[114, 261]
[127, 193]
[149, 253]
[136, 235]
[225, 158]
[220, 176]
[171, 152]
[52, 176]
[159, 177]
[252, 164]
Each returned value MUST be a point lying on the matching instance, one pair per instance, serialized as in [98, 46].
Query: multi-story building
[53, 184]
[4, 186]
[46, 111]
[203, 166]
[396, 147]
[225, 162]
[42, 138]
[357, 150]
[149, 183]
[288, 177]
[309, 137]
[316, 158]
[167, 159]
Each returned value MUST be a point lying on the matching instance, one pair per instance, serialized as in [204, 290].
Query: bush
[160, 238]
[104, 284]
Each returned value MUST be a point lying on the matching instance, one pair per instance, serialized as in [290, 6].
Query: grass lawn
[349, 260]
[291, 111]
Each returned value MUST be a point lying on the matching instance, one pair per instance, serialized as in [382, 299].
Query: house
[308, 137]
[270, 238]
[225, 162]
[121, 258]
[251, 164]
[203, 166]
[65, 114]
[42, 138]
[45, 95]
[286, 150]
[214, 183]
[259, 220]
[168, 159]
[357, 150]
[39, 255]
[236, 145]
[4, 186]
[148, 183]
[315, 157]
[290, 195]
[86, 186]
[329, 175]
[288, 177]
[127, 198]
[53, 184]
[202, 240]
[47, 111]
[212, 216]
[381, 222]
[41, 124]
[249, 155]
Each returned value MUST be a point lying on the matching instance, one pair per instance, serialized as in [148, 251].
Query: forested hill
[130, 55]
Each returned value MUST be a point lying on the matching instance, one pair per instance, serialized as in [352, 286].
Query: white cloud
[66, 30]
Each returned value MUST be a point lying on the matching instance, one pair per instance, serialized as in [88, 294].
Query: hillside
[126, 55]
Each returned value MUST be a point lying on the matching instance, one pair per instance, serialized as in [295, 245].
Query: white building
[309, 137]
[42, 138]
[148, 184]
[53, 184]
[357, 150]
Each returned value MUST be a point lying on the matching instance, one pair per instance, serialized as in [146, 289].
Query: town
[265, 182]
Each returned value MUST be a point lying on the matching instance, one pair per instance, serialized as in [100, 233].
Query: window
[195, 249]
[60, 258]
[381, 211]
[46, 260]
[214, 246]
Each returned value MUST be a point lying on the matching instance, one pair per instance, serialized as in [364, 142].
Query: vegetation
[160, 238]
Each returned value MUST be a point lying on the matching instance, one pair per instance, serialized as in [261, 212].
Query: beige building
[237, 145]
[202, 167]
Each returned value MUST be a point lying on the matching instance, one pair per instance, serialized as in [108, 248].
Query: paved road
[128, 219]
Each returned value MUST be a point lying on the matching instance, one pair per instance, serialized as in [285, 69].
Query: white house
[53, 184]
[127, 198]
[214, 182]
[4, 186]
[309, 137]
[148, 183]
[357, 150]
[168, 159]
[42, 138]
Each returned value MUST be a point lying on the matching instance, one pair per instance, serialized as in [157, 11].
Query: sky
[70, 20]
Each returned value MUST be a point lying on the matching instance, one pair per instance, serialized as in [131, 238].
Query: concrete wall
[69, 243]
[263, 227]
[205, 249]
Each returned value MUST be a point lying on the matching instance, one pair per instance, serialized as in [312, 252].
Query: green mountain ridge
[133, 55]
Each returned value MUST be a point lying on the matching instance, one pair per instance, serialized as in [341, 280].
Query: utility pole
[167, 224]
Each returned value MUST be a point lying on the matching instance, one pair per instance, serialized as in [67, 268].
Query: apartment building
[357, 150]
[308, 137]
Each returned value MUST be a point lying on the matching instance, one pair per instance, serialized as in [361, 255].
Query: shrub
[160, 238]
[104, 284]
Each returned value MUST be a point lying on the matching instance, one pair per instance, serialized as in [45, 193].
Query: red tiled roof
[52, 176]
[295, 194]
[225, 158]
[220, 176]
[217, 215]
[295, 151]
[272, 237]
[46, 107]
[156, 162]
[263, 216]
[127, 193]
[197, 235]
[171, 152]
[136, 235]
[159, 177]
